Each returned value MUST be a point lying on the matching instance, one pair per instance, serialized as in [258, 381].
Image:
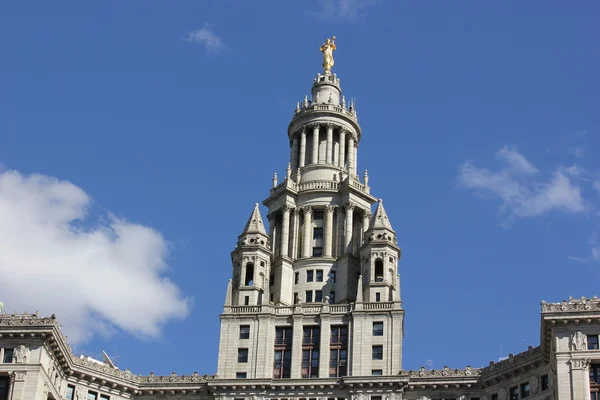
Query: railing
[340, 309]
[327, 107]
[378, 306]
[311, 309]
[305, 309]
[284, 310]
[332, 185]
[245, 309]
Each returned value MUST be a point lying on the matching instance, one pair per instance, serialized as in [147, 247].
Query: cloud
[519, 192]
[206, 37]
[594, 249]
[97, 277]
[348, 10]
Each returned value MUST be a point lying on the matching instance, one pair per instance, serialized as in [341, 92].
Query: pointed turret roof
[255, 223]
[380, 219]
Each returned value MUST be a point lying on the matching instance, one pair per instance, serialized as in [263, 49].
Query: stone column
[348, 235]
[315, 149]
[328, 238]
[272, 231]
[329, 150]
[341, 160]
[340, 232]
[297, 333]
[351, 156]
[294, 156]
[302, 147]
[295, 233]
[355, 156]
[285, 231]
[307, 240]
[580, 379]
[365, 224]
[324, 344]
[11, 385]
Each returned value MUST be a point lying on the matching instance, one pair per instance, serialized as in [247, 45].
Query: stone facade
[313, 309]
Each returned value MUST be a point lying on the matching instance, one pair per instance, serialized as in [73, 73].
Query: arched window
[379, 270]
[249, 278]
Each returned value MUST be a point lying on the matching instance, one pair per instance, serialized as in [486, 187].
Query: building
[313, 309]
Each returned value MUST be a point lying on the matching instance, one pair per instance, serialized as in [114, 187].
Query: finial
[275, 179]
[327, 49]
[288, 171]
[298, 176]
[1, 307]
[366, 178]
[297, 106]
[305, 101]
[343, 101]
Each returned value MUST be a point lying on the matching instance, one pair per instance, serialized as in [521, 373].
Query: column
[272, 230]
[348, 236]
[302, 147]
[285, 231]
[296, 367]
[341, 160]
[307, 240]
[294, 156]
[340, 232]
[355, 157]
[295, 234]
[315, 149]
[328, 238]
[580, 379]
[329, 148]
[11, 385]
[365, 225]
[351, 156]
[324, 345]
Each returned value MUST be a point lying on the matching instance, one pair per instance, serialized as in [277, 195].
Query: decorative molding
[445, 372]
[581, 363]
[573, 305]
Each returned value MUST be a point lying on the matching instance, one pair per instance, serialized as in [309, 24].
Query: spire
[380, 219]
[255, 223]
[228, 294]
[359, 290]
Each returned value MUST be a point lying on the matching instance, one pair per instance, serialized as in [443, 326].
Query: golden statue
[327, 49]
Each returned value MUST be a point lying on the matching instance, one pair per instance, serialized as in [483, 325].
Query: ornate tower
[320, 297]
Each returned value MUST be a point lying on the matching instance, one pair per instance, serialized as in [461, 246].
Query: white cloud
[342, 9]
[98, 279]
[594, 249]
[520, 193]
[206, 37]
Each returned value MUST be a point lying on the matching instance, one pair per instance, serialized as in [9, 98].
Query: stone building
[313, 309]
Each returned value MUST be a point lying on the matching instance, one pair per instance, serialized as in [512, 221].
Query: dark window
[379, 270]
[378, 352]
[296, 277]
[246, 300]
[377, 297]
[309, 296]
[318, 215]
[318, 233]
[494, 396]
[513, 393]
[375, 397]
[241, 375]
[69, 394]
[524, 390]
[592, 341]
[332, 276]
[244, 331]
[475, 398]
[310, 351]
[319, 275]
[311, 335]
[249, 278]
[8, 355]
[242, 355]
[545, 382]
[331, 297]
[377, 328]
[271, 279]
[296, 298]
[104, 397]
[92, 395]
[310, 276]
[338, 353]
[318, 296]
[376, 372]
[3, 387]
[317, 251]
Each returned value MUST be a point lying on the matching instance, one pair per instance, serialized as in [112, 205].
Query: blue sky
[135, 138]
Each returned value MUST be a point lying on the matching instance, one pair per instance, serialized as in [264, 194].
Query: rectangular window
[310, 276]
[317, 251]
[3, 387]
[104, 397]
[332, 297]
[377, 297]
[296, 298]
[524, 390]
[494, 396]
[311, 335]
[241, 375]
[318, 215]
[375, 397]
[545, 382]
[376, 372]
[319, 275]
[318, 296]
[244, 331]
[283, 352]
[309, 298]
[296, 277]
[92, 395]
[378, 352]
[332, 276]
[8, 355]
[513, 393]
[69, 394]
[377, 328]
[592, 341]
[310, 351]
[318, 233]
[246, 300]
[242, 355]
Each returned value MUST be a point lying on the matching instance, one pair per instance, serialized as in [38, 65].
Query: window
[377, 328]
[241, 375]
[318, 215]
[244, 331]
[242, 355]
[309, 296]
[272, 279]
[92, 395]
[318, 233]
[318, 296]
[283, 352]
[8, 355]
[375, 397]
[296, 277]
[513, 393]
[311, 335]
[246, 300]
[249, 277]
[3, 388]
[378, 352]
[104, 397]
[524, 390]
[377, 297]
[317, 251]
[311, 340]
[68, 395]
[494, 396]
[296, 298]
[592, 341]
[310, 276]
[332, 276]
[379, 270]
[319, 275]
[332, 297]
[338, 351]
[545, 382]
[376, 372]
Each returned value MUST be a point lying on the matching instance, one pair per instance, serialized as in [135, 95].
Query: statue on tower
[327, 49]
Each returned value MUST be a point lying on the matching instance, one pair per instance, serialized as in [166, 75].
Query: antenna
[107, 359]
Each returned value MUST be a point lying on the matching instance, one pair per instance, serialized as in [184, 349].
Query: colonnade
[340, 148]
